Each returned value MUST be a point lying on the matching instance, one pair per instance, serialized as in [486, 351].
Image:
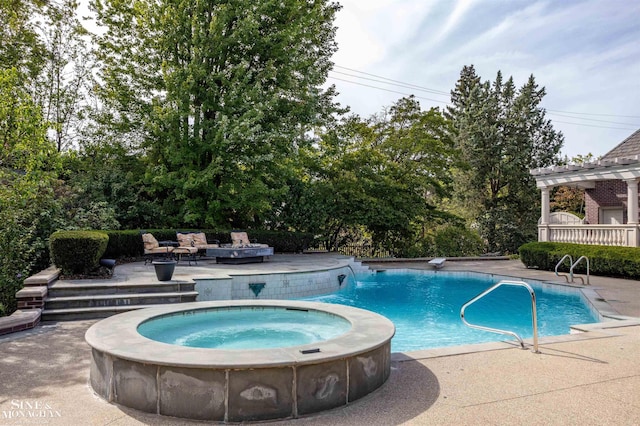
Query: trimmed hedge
[281, 241]
[603, 260]
[124, 244]
[77, 252]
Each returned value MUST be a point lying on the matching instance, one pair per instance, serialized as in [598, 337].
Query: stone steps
[127, 299]
[93, 299]
[67, 288]
[71, 314]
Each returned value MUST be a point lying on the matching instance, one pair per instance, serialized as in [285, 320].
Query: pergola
[585, 176]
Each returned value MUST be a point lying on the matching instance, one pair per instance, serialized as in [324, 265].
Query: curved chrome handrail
[574, 265]
[534, 318]
[560, 263]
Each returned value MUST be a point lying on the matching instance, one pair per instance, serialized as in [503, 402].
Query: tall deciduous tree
[46, 44]
[218, 94]
[27, 205]
[64, 87]
[21, 47]
[381, 175]
[32, 79]
[502, 133]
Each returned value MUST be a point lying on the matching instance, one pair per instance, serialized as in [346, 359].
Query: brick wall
[610, 193]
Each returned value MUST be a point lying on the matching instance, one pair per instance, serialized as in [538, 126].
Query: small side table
[168, 243]
[190, 252]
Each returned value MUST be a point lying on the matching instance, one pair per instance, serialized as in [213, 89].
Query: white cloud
[460, 9]
[368, 31]
[585, 53]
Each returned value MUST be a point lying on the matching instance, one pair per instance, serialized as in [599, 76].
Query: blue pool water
[244, 328]
[425, 307]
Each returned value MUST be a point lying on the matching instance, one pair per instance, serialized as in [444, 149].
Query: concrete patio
[584, 379]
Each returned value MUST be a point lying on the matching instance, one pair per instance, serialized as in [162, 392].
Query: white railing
[605, 235]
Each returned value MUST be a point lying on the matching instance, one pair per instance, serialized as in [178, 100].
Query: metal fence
[357, 250]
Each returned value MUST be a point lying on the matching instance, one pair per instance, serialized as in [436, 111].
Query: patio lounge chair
[195, 239]
[240, 239]
[241, 250]
[189, 252]
[153, 248]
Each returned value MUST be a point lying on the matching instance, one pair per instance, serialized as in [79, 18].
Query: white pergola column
[543, 227]
[545, 211]
[632, 201]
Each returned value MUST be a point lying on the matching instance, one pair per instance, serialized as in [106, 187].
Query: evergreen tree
[502, 133]
[461, 94]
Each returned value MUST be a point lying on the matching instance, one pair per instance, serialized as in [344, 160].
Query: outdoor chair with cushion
[197, 240]
[240, 239]
[189, 252]
[153, 248]
[241, 250]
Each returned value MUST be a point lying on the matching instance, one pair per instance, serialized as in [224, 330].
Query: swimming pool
[425, 307]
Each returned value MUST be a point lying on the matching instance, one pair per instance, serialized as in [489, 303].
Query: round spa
[237, 361]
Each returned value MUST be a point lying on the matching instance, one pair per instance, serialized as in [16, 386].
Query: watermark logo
[29, 409]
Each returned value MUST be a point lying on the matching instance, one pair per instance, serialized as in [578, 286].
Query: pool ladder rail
[570, 277]
[534, 318]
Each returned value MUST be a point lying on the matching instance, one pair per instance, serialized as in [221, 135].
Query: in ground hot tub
[338, 355]
[245, 327]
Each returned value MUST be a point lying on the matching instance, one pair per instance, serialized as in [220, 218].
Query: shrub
[77, 252]
[424, 247]
[603, 260]
[283, 241]
[457, 241]
[123, 244]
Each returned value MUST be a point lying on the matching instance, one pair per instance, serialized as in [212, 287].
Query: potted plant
[164, 269]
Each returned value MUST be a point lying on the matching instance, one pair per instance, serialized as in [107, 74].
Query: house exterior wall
[611, 193]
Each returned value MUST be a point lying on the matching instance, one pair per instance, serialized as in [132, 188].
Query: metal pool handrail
[560, 263]
[534, 318]
[575, 264]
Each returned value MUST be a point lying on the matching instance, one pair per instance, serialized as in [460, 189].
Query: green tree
[28, 209]
[502, 133]
[63, 88]
[218, 95]
[105, 184]
[45, 43]
[21, 48]
[566, 198]
[380, 176]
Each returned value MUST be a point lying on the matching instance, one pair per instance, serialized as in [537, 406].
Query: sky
[586, 53]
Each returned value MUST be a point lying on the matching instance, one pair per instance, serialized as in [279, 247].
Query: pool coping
[118, 337]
